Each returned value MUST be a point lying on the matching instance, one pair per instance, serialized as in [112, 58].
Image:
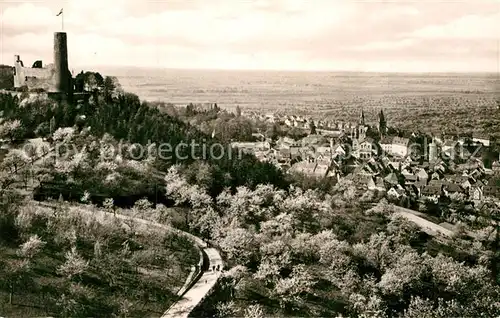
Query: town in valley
[149, 191]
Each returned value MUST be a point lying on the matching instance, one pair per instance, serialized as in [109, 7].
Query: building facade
[433, 151]
[395, 146]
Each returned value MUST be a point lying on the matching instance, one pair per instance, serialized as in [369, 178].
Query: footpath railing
[194, 275]
[199, 291]
[209, 291]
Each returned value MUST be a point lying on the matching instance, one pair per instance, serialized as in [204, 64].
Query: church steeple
[362, 118]
[382, 127]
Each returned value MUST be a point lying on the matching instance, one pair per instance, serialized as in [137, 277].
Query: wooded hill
[6, 77]
[127, 119]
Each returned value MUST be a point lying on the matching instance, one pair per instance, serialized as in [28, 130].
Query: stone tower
[61, 71]
[433, 151]
[362, 118]
[382, 126]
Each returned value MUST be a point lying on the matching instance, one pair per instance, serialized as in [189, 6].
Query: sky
[337, 35]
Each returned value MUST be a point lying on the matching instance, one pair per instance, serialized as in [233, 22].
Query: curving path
[199, 290]
[193, 296]
[426, 226]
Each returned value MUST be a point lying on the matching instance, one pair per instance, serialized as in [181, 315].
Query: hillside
[64, 262]
[125, 121]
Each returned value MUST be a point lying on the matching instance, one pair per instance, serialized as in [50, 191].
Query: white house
[386, 145]
[484, 142]
[338, 150]
[422, 174]
[364, 149]
[448, 148]
[251, 147]
[393, 193]
[325, 150]
[476, 193]
[371, 184]
[395, 146]
[400, 146]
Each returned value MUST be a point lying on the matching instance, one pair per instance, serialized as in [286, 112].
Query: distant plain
[431, 102]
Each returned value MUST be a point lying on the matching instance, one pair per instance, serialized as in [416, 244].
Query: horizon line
[159, 68]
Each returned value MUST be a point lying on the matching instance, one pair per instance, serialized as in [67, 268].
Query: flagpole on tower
[61, 13]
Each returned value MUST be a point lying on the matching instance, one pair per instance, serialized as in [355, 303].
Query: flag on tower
[62, 18]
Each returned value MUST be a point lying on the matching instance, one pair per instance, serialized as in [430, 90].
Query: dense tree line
[301, 253]
[6, 77]
[127, 118]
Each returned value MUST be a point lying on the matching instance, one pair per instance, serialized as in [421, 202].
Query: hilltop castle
[53, 78]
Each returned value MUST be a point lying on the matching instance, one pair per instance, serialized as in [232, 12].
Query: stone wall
[34, 77]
